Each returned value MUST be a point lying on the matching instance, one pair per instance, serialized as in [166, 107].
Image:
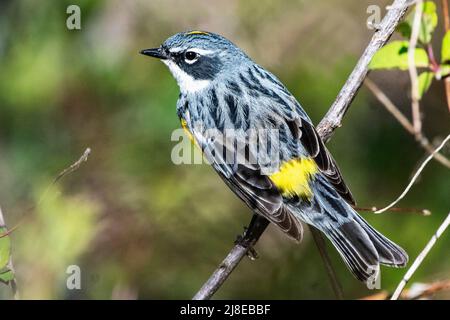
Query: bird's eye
[191, 56]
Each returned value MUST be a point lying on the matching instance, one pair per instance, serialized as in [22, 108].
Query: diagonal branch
[392, 108]
[421, 257]
[335, 114]
[329, 123]
[251, 236]
[73, 167]
[414, 178]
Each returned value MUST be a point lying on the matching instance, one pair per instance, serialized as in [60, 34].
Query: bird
[285, 174]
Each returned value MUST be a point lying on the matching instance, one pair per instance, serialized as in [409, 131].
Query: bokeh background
[138, 225]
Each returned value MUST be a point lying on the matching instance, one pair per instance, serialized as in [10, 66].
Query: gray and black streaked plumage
[223, 89]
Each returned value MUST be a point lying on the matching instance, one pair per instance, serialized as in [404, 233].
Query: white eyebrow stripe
[176, 50]
[196, 50]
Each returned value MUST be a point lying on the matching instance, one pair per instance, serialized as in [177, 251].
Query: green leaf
[445, 49]
[5, 248]
[395, 55]
[425, 79]
[6, 275]
[427, 25]
[429, 21]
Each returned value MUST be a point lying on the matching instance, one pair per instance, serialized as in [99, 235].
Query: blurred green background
[138, 225]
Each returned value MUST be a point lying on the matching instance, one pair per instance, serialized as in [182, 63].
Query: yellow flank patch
[186, 130]
[197, 32]
[294, 176]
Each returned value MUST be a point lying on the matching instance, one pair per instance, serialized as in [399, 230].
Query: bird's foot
[242, 240]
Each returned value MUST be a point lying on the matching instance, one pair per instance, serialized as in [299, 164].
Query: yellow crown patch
[197, 32]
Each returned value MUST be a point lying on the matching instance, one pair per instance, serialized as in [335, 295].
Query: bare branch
[421, 257]
[423, 212]
[416, 175]
[73, 167]
[221, 273]
[335, 114]
[424, 143]
[329, 123]
[389, 105]
[84, 157]
[248, 240]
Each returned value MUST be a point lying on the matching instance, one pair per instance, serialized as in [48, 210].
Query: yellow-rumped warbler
[223, 90]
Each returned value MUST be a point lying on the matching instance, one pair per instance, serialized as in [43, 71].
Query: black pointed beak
[155, 53]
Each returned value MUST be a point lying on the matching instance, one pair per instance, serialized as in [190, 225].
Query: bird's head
[197, 58]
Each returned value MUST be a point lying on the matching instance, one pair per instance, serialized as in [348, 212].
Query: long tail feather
[362, 247]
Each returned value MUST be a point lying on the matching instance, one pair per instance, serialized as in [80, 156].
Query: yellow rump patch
[294, 176]
[197, 32]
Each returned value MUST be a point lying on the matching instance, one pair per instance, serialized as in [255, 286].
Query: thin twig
[421, 257]
[326, 127]
[415, 97]
[68, 170]
[334, 280]
[424, 143]
[423, 212]
[416, 175]
[73, 167]
[9, 231]
[389, 105]
[84, 157]
[406, 124]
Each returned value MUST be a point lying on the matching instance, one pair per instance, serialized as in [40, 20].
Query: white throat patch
[186, 82]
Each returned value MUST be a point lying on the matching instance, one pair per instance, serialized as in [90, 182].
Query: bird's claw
[252, 254]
